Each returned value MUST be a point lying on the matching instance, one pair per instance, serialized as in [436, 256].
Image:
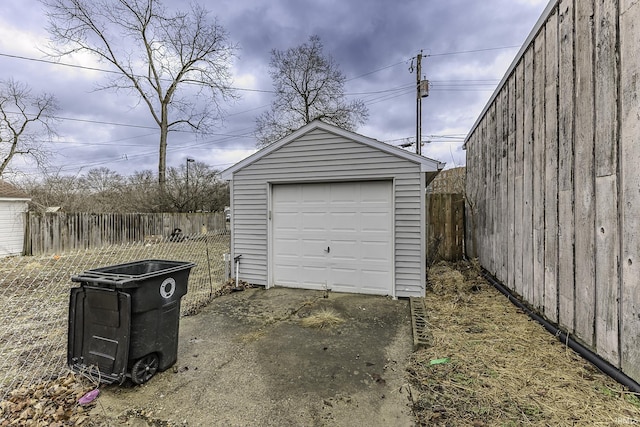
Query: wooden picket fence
[63, 232]
[445, 226]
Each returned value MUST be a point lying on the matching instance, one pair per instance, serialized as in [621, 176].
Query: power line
[395, 89]
[473, 51]
[64, 64]
[435, 54]
[375, 71]
[101, 122]
[82, 67]
[464, 80]
[388, 97]
[146, 153]
[462, 90]
[104, 70]
[247, 111]
[103, 143]
[451, 136]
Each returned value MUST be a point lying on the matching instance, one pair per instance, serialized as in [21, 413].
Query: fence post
[26, 238]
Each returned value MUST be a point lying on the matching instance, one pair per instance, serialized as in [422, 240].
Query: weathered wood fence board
[518, 183]
[498, 252]
[550, 303]
[511, 172]
[583, 173]
[504, 185]
[629, 15]
[490, 191]
[527, 179]
[445, 231]
[566, 278]
[538, 162]
[61, 232]
[567, 115]
[606, 181]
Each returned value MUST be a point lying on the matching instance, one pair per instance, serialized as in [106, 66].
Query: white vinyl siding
[11, 227]
[321, 156]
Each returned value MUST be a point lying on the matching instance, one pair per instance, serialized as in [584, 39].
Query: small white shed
[13, 205]
[330, 209]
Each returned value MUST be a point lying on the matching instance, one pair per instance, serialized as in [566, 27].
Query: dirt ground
[251, 359]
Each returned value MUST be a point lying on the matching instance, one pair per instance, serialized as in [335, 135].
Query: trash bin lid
[130, 274]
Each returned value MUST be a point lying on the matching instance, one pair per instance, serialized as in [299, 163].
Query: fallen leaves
[51, 403]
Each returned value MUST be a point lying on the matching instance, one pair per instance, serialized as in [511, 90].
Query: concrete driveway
[247, 360]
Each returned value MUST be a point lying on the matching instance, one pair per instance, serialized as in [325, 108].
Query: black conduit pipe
[562, 336]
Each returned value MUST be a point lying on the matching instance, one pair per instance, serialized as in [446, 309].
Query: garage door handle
[328, 249]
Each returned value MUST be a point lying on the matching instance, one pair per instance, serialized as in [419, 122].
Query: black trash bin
[124, 319]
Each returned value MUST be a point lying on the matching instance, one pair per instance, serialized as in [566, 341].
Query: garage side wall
[320, 156]
[560, 142]
[12, 226]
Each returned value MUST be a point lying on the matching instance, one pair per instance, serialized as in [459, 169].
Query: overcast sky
[373, 42]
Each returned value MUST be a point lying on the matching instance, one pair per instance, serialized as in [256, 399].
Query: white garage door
[335, 236]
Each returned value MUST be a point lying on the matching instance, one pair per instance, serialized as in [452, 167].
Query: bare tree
[217, 197]
[102, 180]
[309, 86]
[141, 194]
[177, 191]
[177, 63]
[56, 190]
[200, 192]
[104, 190]
[24, 120]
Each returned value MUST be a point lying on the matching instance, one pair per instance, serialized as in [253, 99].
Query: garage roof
[430, 166]
[9, 191]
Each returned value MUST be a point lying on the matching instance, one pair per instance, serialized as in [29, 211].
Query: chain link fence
[34, 295]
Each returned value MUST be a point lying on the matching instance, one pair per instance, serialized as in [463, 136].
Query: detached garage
[330, 209]
[13, 205]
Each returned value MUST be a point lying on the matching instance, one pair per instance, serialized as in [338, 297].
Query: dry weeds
[324, 318]
[504, 369]
[34, 299]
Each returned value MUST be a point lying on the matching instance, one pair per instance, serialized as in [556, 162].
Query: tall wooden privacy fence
[62, 232]
[445, 227]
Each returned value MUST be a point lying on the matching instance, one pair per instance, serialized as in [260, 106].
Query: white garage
[329, 209]
[13, 205]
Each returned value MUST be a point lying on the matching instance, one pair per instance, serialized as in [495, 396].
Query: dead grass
[35, 299]
[504, 369]
[323, 318]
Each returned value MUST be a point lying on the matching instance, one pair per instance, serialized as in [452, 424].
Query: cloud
[373, 41]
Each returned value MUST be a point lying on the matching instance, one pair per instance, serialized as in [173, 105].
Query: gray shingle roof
[10, 191]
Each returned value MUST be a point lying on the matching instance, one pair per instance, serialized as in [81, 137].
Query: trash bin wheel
[144, 368]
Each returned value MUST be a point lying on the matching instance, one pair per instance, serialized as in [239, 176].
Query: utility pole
[418, 105]
[422, 91]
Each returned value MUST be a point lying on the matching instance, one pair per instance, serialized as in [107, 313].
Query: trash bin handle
[96, 279]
